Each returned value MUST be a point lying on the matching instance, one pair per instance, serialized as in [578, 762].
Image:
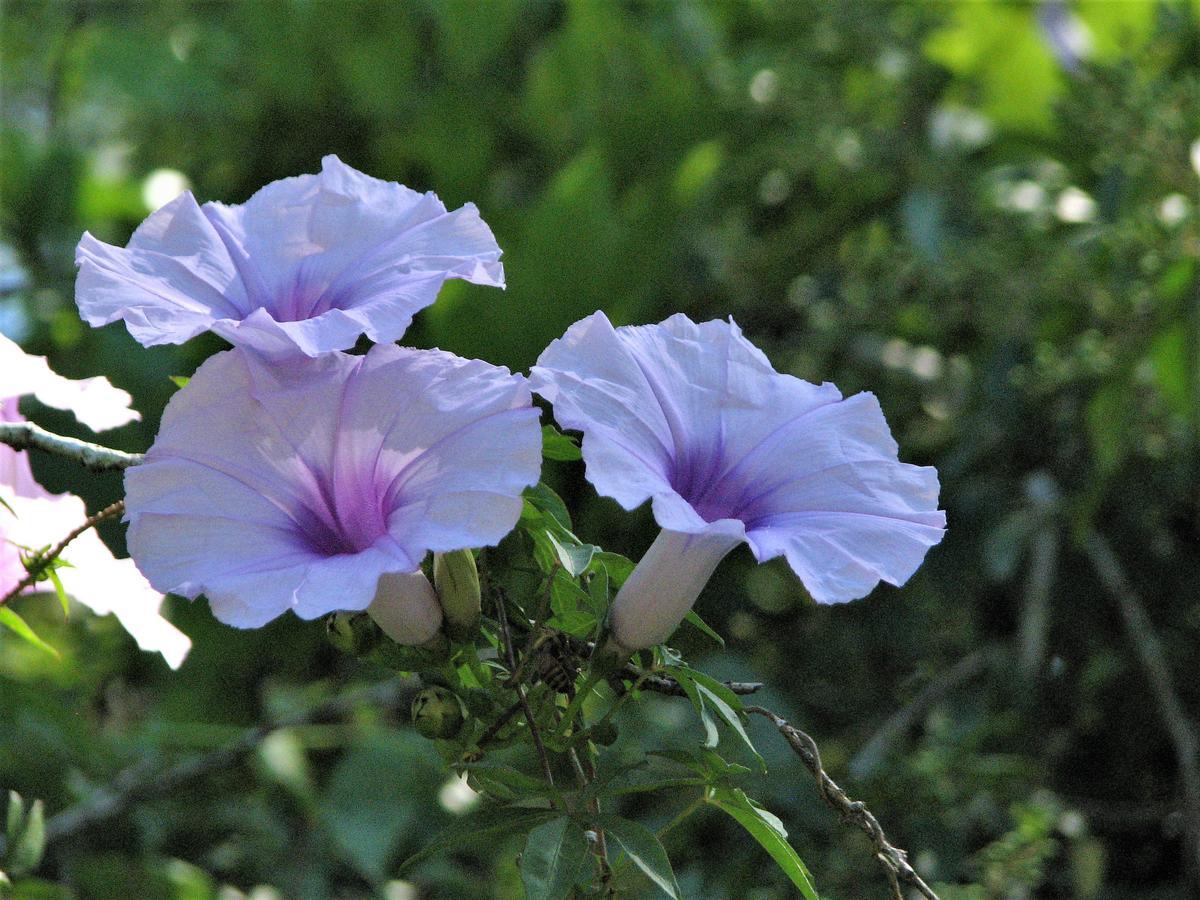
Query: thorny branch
[93, 457]
[37, 567]
[893, 859]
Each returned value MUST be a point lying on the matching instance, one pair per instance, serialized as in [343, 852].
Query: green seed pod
[352, 632]
[438, 713]
[456, 580]
[603, 733]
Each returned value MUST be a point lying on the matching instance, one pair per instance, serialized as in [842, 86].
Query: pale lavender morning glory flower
[320, 485]
[694, 418]
[32, 519]
[305, 266]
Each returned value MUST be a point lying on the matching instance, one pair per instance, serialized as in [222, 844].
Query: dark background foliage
[971, 210]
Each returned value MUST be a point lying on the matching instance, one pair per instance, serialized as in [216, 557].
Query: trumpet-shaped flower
[305, 266]
[695, 419]
[320, 485]
[33, 520]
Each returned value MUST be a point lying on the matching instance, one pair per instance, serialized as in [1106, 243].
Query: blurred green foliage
[987, 213]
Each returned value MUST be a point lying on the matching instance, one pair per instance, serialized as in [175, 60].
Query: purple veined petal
[694, 418]
[300, 485]
[305, 266]
[94, 401]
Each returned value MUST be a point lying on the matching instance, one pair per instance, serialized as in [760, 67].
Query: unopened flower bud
[352, 632]
[456, 580]
[438, 713]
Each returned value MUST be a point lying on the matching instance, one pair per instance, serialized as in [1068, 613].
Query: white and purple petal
[694, 418]
[306, 265]
[276, 487]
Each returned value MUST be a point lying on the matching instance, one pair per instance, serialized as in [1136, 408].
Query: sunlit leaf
[557, 446]
[59, 591]
[765, 828]
[17, 625]
[693, 619]
[644, 850]
[26, 848]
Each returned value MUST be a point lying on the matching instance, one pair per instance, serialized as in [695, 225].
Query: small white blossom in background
[1075, 206]
[457, 797]
[162, 186]
[957, 127]
[1173, 209]
[400, 890]
[764, 86]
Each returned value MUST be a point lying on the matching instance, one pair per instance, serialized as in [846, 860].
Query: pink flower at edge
[38, 519]
[305, 266]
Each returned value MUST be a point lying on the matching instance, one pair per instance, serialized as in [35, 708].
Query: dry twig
[893, 859]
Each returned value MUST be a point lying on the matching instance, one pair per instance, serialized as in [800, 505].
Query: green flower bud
[456, 580]
[438, 713]
[352, 632]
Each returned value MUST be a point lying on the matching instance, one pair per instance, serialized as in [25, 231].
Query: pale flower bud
[406, 608]
[663, 586]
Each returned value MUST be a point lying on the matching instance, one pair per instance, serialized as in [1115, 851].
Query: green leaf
[14, 818]
[765, 828]
[706, 693]
[506, 782]
[682, 675]
[728, 707]
[574, 558]
[17, 625]
[616, 566]
[59, 591]
[180, 381]
[597, 590]
[554, 854]
[544, 500]
[4, 503]
[483, 825]
[644, 850]
[25, 853]
[557, 446]
[694, 619]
